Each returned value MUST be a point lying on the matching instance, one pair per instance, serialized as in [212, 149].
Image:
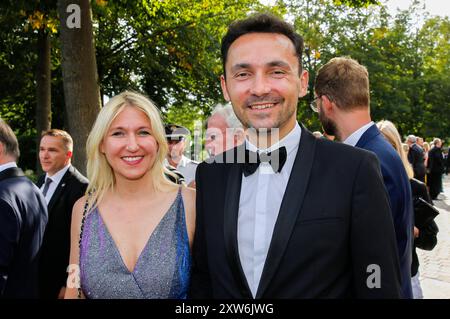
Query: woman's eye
[118, 133]
[144, 133]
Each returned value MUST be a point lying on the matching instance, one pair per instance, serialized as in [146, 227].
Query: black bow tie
[276, 159]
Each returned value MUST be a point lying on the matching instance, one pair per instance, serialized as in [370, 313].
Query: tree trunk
[79, 69]
[43, 90]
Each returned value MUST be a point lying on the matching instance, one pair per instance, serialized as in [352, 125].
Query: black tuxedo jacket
[333, 229]
[23, 216]
[56, 245]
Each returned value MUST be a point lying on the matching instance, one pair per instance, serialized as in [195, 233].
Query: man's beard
[329, 127]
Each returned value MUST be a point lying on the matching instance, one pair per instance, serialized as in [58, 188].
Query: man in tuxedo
[287, 215]
[62, 185]
[343, 99]
[23, 216]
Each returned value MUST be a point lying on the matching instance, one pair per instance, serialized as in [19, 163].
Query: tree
[79, 68]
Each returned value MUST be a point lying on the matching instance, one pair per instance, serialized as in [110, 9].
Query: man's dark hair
[9, 140]
[261, 23]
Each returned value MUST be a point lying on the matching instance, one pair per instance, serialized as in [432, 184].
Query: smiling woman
[132, 210]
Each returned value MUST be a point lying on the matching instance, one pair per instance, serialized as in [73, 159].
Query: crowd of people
[252, 222]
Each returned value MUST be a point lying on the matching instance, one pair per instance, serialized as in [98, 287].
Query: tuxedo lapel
[60, 188]
[290, 208]
[231, 210]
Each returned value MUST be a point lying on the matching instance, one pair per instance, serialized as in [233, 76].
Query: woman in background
[425, 237]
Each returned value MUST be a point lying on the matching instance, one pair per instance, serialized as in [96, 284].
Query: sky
[435, 7]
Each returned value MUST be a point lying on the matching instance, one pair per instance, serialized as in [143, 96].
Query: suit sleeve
[9, 237]
[375, 260]
[200, 287]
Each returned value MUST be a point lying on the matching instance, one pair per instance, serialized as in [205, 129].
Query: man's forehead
[52, 140]
[251, 41]
[260, 49]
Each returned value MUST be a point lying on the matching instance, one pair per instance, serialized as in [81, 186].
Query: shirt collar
[356, 135]
[290, 141]
[7, 165]
[57, 177]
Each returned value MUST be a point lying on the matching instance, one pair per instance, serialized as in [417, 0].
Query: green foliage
[170, 50]
[408, 63]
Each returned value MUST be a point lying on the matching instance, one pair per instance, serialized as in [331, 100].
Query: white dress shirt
[356, 135]
[56, 178]
[259, 205]
[7, 165]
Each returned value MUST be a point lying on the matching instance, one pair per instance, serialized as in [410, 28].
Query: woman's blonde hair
[393, 137]
[100, 173]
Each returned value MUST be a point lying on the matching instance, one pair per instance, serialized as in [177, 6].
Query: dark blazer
[23, 216]
[56, 245]
[427, 239]
[416, 158]
[334, 222]
[436, 162]
[397, 185]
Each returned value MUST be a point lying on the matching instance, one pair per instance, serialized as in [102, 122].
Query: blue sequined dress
[162, 270]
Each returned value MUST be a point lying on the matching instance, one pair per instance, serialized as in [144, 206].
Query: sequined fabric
[162, 269]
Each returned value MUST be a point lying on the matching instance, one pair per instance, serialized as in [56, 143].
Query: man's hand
[416, 232]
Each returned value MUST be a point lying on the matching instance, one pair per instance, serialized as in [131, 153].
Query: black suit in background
[23, 216]
[436, 168]
[56, 245]
[427, 239]
[416, 158]
[334, 222]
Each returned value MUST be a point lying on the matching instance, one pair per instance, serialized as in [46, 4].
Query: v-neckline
[116, 248]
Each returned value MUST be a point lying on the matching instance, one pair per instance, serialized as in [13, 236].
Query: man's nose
[261, 85]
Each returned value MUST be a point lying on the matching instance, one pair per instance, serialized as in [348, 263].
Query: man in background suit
[416, 158]
[23, 215]
[287, 222]
[343, 99]
[62, 186]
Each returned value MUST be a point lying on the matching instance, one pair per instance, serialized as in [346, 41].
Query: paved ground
[435, 265]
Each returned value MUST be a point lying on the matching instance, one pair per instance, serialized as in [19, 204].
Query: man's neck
[6, 159]
[173, 163]
[351, 121]
[265, 138]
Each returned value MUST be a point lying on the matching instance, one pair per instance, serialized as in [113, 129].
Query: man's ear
[327, 104]
[304, 78]
[69, 154]
[223, 84]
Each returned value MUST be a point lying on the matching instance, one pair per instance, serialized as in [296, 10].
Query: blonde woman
[136, 226]
[424, 237]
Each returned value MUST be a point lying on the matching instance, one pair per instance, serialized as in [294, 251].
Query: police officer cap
[176, 132]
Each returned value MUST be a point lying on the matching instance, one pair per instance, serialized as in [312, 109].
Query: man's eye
[278, 73]
[242, 75]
